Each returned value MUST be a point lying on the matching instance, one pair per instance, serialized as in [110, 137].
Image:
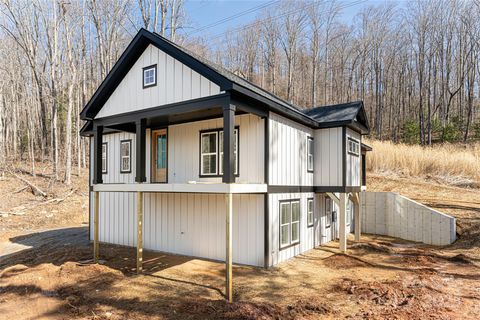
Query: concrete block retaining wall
[388, 213]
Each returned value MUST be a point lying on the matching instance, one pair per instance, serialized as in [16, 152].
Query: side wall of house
[288, 152]
[175, 82]
[353, 161]
[328, 157]
[186, 224]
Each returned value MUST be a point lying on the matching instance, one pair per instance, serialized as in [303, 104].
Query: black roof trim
[351, 114]
[366, 147]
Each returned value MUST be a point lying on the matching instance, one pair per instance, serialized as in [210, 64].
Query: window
[104, 157]
[309, 212]
[353, 147]
[309, 154]
[289, 223]
[211, 152]
[125, 156]
[150, 76]
[328, 212]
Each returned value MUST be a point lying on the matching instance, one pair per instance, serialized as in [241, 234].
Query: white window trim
[353, 146]
[310, 200]
[290, 223]
[105, 157]
[310, 165]
[328, 213]
[209, 153]
[129, 142]
[154, 80]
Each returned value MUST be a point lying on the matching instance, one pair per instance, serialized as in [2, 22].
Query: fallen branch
[20, 190]
[35, 190]
[58, 200]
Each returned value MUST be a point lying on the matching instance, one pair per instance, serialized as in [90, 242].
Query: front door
[159, 155]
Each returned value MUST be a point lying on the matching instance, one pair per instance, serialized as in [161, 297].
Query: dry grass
[455, 164]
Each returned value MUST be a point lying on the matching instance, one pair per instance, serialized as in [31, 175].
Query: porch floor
[197, 187]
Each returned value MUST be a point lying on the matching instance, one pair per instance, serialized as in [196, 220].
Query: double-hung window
[309, 154]
[353, 146]
[289, 223]
[211, 152]
[310, 212]
[104, 157]
[150, 76]
[328, 212]
[125, 156]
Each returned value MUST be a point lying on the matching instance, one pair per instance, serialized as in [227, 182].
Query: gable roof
[352, 113]
[226, 80]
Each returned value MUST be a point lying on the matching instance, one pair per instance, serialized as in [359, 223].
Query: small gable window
[150, 76]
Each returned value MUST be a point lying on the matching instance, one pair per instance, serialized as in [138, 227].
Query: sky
[202, 14]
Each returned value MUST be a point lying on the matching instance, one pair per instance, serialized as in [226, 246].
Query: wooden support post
[139, 232]
[358, 216]
[228, 242]
[96, 209]
[343, 222]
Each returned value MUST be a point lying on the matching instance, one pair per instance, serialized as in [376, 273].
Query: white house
[190, 159]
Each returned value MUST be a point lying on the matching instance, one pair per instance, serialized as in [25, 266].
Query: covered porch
[224, 106]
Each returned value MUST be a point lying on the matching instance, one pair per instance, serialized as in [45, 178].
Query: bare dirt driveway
[48, 274]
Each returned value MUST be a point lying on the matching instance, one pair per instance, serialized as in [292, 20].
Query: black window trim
[313, 213]
[153, 66]
[357, 142]
[217, 175]
[106, 158]
[280, 223]
[310, 138]
[129, 155]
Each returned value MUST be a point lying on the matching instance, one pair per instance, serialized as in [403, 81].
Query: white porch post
[343, 222]
[228, 257]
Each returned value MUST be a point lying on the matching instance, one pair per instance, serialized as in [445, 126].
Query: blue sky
[202, 13]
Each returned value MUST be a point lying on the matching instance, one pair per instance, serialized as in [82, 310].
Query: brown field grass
[454, 164]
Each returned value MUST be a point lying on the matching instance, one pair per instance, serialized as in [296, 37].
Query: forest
[413, 63]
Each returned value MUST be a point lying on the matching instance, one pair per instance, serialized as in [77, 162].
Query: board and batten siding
[307, 235]
[328, 157]
[353, 161]
[185, 223]
[175, 82]
[288, 152]
[184, 152]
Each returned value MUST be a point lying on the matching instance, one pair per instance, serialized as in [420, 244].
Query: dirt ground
[49, 274]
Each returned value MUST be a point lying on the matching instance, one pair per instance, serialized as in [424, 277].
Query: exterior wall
[307, 236]
[175, 82]
[184, 148]
[391, 214]
[328, 157]
[288, 152]
[353, 161]
[187, 224]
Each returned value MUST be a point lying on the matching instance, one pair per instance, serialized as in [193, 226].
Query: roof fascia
[290, 113]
